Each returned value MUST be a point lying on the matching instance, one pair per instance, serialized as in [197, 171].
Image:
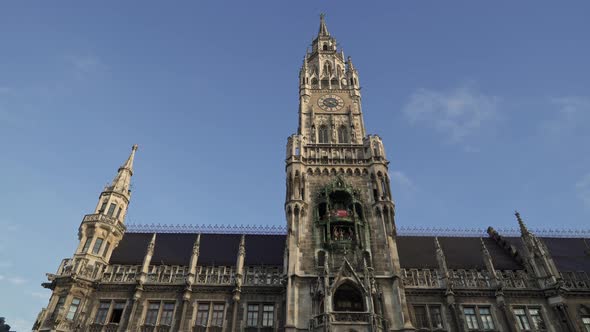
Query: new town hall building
[340, 264]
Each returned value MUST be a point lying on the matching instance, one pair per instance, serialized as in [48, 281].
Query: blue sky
[484, 108]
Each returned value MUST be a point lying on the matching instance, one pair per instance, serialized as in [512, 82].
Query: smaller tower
[99, 233]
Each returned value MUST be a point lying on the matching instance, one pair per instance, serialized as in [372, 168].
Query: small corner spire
[484, 249]
[129, 163]
[523, 229]
[152, 245]
[122, 181]
[323, 28]
[349, 62]
[437, 244]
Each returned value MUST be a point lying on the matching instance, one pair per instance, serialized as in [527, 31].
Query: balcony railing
[461, 278]
[348, 318]
[576, 280]
[206, 275]
[155, 328]
[99, 217]
[425, 278]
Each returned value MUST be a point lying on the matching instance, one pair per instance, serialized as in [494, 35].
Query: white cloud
[456, 114]
[583, 189]
[4, 90]
[573, 113]
[84, 64]
[401, 179]
[13, 280]
[40, 295]
[19, 324]
[4, 264]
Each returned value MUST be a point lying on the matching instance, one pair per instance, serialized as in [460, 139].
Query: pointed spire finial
[129, 163]
[122, 180]
[151, 245]
[484, 249]
[323, 28]
[197, 243]
[350, 65]
[437, 245]
[523, 229]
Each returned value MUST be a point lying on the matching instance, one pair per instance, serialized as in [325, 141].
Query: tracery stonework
[340, 264]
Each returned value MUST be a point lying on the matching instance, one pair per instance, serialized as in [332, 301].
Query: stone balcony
[206, 275]
[363, 321]
[102, 218]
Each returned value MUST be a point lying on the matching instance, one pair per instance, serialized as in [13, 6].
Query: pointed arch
[323, 134]
[343, 134]
[314, 83]
[348, 297]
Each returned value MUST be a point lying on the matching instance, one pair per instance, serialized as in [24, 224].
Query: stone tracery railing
[216, 275]
[206, 275]
[427, 278]
[464, 278]
[348, 317]
[262, 275]
[576, 280]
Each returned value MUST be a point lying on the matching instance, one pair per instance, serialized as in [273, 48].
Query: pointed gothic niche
[339, 216]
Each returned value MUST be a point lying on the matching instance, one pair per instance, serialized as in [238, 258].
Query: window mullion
[109, 312]
[478, 318]
[532, 326]
[428, 317]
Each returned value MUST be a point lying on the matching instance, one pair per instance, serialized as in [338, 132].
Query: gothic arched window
[314, 82]
[323, 135]
[342, 135]
[348, 298]
[325, 48]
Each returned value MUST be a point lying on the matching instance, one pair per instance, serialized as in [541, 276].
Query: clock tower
[341, 261]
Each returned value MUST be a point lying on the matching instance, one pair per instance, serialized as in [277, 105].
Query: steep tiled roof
[460, 253]
[570, 254]
[215, 249]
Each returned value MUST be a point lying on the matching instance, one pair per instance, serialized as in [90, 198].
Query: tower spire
[323, 28]
[122, 180]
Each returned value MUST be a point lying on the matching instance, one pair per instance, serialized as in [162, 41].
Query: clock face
[330, 102]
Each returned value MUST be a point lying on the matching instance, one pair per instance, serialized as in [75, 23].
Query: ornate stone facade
[340, 264]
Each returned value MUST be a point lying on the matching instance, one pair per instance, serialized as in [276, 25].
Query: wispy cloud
[86, 64]
[583, 189]
[4, 264]
[4, 90]
[456, 114]
[20, 324]
[573, 113]
[13, 280]
[40, 295]
[401, 180]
